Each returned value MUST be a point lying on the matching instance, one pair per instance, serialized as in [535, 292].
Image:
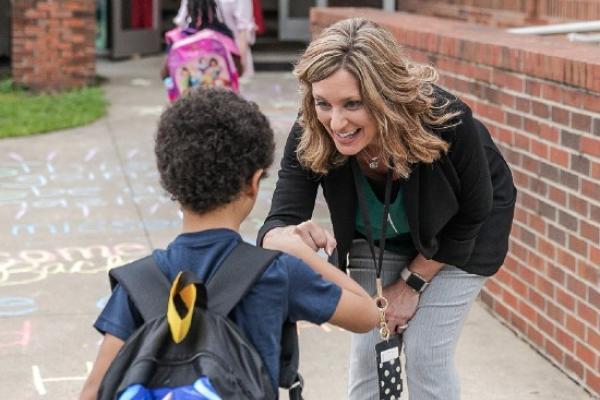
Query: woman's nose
[338, 121]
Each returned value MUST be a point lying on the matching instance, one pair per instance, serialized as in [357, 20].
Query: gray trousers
[429, 341]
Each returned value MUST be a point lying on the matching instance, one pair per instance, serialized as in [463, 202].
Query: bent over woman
[366, 106]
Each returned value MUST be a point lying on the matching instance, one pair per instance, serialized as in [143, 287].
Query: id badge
[389, 368]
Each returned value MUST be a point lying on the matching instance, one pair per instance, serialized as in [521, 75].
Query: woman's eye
[321, 104]
[353, 104]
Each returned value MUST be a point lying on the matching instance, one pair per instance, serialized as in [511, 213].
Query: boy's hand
[286, 239]
[311, 233]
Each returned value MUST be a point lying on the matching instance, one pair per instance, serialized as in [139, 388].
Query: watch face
[415, 282]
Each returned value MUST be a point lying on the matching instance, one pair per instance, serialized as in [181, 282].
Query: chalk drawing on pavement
[40, 382]
[29, 266]
[18, 338]
[16, 306]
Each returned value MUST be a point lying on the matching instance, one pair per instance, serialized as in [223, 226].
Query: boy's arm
[108, 350]
[356, 311]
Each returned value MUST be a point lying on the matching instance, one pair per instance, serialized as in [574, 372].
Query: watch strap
[413, 280]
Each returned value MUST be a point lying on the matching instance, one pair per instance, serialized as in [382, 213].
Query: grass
[23, 113]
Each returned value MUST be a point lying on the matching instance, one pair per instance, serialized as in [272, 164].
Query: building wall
[506, 12]
[53, 43]
[541, 101]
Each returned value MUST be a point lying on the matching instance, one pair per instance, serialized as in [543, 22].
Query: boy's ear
[254, 182]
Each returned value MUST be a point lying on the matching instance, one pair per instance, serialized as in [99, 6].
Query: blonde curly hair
[398, 94]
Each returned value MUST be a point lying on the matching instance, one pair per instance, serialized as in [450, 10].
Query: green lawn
[23, 113]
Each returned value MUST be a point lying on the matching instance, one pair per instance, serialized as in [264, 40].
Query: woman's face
[340, 109]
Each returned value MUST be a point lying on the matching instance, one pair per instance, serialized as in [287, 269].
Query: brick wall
[505, 13]
[541, 101]
[53, 43]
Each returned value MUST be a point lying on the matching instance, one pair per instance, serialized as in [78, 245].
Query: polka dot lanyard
[388, 349]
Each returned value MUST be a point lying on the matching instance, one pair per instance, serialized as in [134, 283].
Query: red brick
[549, 133]
[590, 145]
[578, 246]
[537, 299]
[554, 351]
[535, 336]
[574, 365]
[587, 313]
[595, 170]
[593, 338]
[585, 354]
[581, 122]
[551, 92]
[591, 102]
[595, 255]
[588, 272]
[518, 322]
[567, 260]
[565, 339]
[540, 149]
[577, 287]
[579, 205]
[523, 105]
[575, 326]
[564, 298]
[592, 379]
[590, 189]
[559, 156]
[557, 195]
[560, 116]
[533, 88]
[507, 80]
[555, 313]
[540, 109]
[589, 231]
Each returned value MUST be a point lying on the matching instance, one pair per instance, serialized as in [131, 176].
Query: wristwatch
[413, 280]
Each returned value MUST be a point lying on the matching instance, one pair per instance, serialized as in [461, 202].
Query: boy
[212, 148]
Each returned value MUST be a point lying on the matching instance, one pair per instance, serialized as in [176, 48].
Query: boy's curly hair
[208, 145]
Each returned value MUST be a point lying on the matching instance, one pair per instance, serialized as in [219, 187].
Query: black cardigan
[459, 208]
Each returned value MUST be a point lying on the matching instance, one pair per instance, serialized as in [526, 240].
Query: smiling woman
[23, 113]
[404, 161]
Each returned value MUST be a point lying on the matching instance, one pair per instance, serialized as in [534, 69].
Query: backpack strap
[145, 284]
[240, 270]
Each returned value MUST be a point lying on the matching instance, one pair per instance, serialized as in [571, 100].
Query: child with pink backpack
[202, 54]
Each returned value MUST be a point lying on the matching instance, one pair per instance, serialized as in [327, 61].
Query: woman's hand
[402, 304]
[311, 233]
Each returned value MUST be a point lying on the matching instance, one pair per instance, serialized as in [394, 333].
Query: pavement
[76, 203]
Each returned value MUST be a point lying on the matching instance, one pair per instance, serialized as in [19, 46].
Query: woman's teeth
[346, 135]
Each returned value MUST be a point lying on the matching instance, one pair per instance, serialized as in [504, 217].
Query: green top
[398, 237]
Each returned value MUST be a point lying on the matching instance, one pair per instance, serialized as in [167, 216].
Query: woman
[452, 197]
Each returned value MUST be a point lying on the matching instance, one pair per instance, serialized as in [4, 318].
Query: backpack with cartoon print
[203, 58]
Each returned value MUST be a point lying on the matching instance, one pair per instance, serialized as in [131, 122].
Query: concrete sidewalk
[78, 202]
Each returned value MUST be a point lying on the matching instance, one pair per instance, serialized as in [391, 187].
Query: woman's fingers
[316, 237]
[306, 237]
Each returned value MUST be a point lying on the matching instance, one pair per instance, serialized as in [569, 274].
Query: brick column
[53, 43]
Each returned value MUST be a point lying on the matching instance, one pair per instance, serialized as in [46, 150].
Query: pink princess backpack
[203, 59]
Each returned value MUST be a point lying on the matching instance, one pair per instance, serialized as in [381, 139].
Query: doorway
[294, 14]
[5, 35]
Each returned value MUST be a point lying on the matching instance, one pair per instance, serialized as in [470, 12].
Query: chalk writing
[16, 306]
[30, 266]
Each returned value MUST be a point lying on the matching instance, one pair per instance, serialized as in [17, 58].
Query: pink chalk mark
[23, 336]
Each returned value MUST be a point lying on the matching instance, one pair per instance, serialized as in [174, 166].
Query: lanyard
[381, 301]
